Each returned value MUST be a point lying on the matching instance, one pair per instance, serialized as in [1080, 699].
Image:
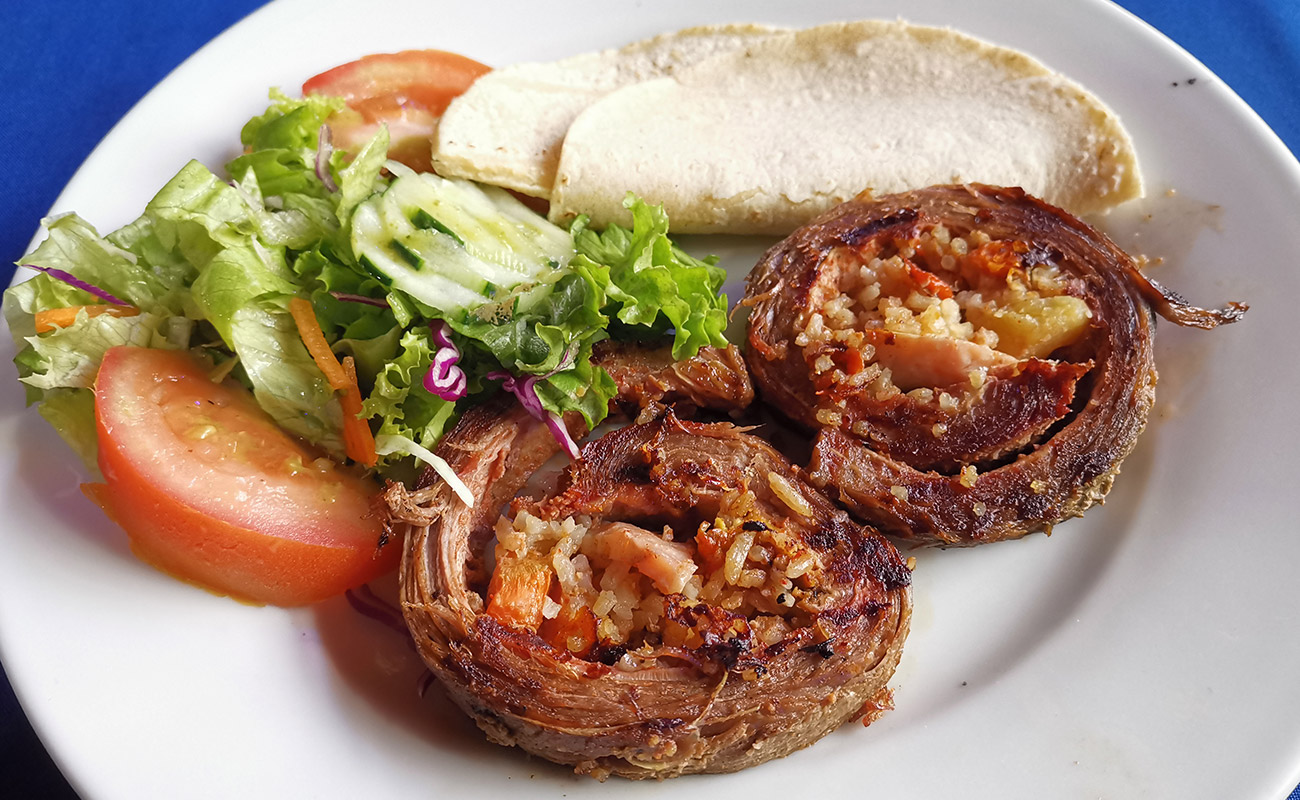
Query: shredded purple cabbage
[324, 149]
[364, 601]
[525, 389]
[522, 388]
[445, 378]
[561, 433]
[360, 298]
[73, 280]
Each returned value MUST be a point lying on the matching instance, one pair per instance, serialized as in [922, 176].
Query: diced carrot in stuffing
[573, 629]
[518, 591]
[849, 360]
[711, 543]
[928, 282]
[995, 259]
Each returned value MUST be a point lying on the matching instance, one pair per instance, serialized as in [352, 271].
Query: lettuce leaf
[243, 288]
[69, 357]
[404, 407]
[74, 246]
[206, 250]
[58, 368]
[285, 379]
[654, 282]
[71, 412]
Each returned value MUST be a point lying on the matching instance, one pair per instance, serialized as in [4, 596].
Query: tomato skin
[429, 79]
[210, 491]
[407, 91]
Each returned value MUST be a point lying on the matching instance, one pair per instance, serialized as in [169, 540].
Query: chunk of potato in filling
[588, 586]
[936, 311]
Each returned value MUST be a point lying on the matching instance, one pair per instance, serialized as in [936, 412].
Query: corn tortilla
[508, 127]
[761, 139]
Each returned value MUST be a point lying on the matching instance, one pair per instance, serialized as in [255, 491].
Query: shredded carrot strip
[358, 441]
[355, 428]
[52, 318]
[314, 338]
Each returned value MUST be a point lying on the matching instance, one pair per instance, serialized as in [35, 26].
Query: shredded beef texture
[716, 378]
[660, 711]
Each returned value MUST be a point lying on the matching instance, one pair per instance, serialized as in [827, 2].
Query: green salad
[443, 292]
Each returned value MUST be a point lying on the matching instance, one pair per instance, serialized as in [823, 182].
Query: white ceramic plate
[1145, 651]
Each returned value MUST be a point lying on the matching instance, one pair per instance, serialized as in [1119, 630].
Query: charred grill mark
[637, 472]
[726, 636]
[1033, 505]
[855, 236]
[843, 616]
[884, 562]
[826, 536]
[1089, 465]
[608, 654]
[857, 553]
[727, 652]
[824, 649]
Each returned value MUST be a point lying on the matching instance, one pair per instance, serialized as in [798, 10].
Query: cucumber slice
[455, 245]
[380, 255]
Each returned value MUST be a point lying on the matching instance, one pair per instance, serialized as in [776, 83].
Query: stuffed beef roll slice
[976, 363]
[681, 602]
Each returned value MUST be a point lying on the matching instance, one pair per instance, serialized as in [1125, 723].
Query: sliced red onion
[73, 280]
[445, 378]
[443, 372]
[378, 302]
[324, 149]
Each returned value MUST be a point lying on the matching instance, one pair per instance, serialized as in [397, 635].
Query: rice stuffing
[594, 586]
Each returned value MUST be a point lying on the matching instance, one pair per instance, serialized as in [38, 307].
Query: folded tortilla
[762, 138]
[508, 127]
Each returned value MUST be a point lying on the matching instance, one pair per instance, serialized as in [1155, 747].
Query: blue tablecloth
[89, 62]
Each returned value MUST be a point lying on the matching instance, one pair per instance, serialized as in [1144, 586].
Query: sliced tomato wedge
[408, 91]
[211, 491]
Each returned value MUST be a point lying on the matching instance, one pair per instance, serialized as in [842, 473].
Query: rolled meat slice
[976, 363]
[648, 377]
[681, 602]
